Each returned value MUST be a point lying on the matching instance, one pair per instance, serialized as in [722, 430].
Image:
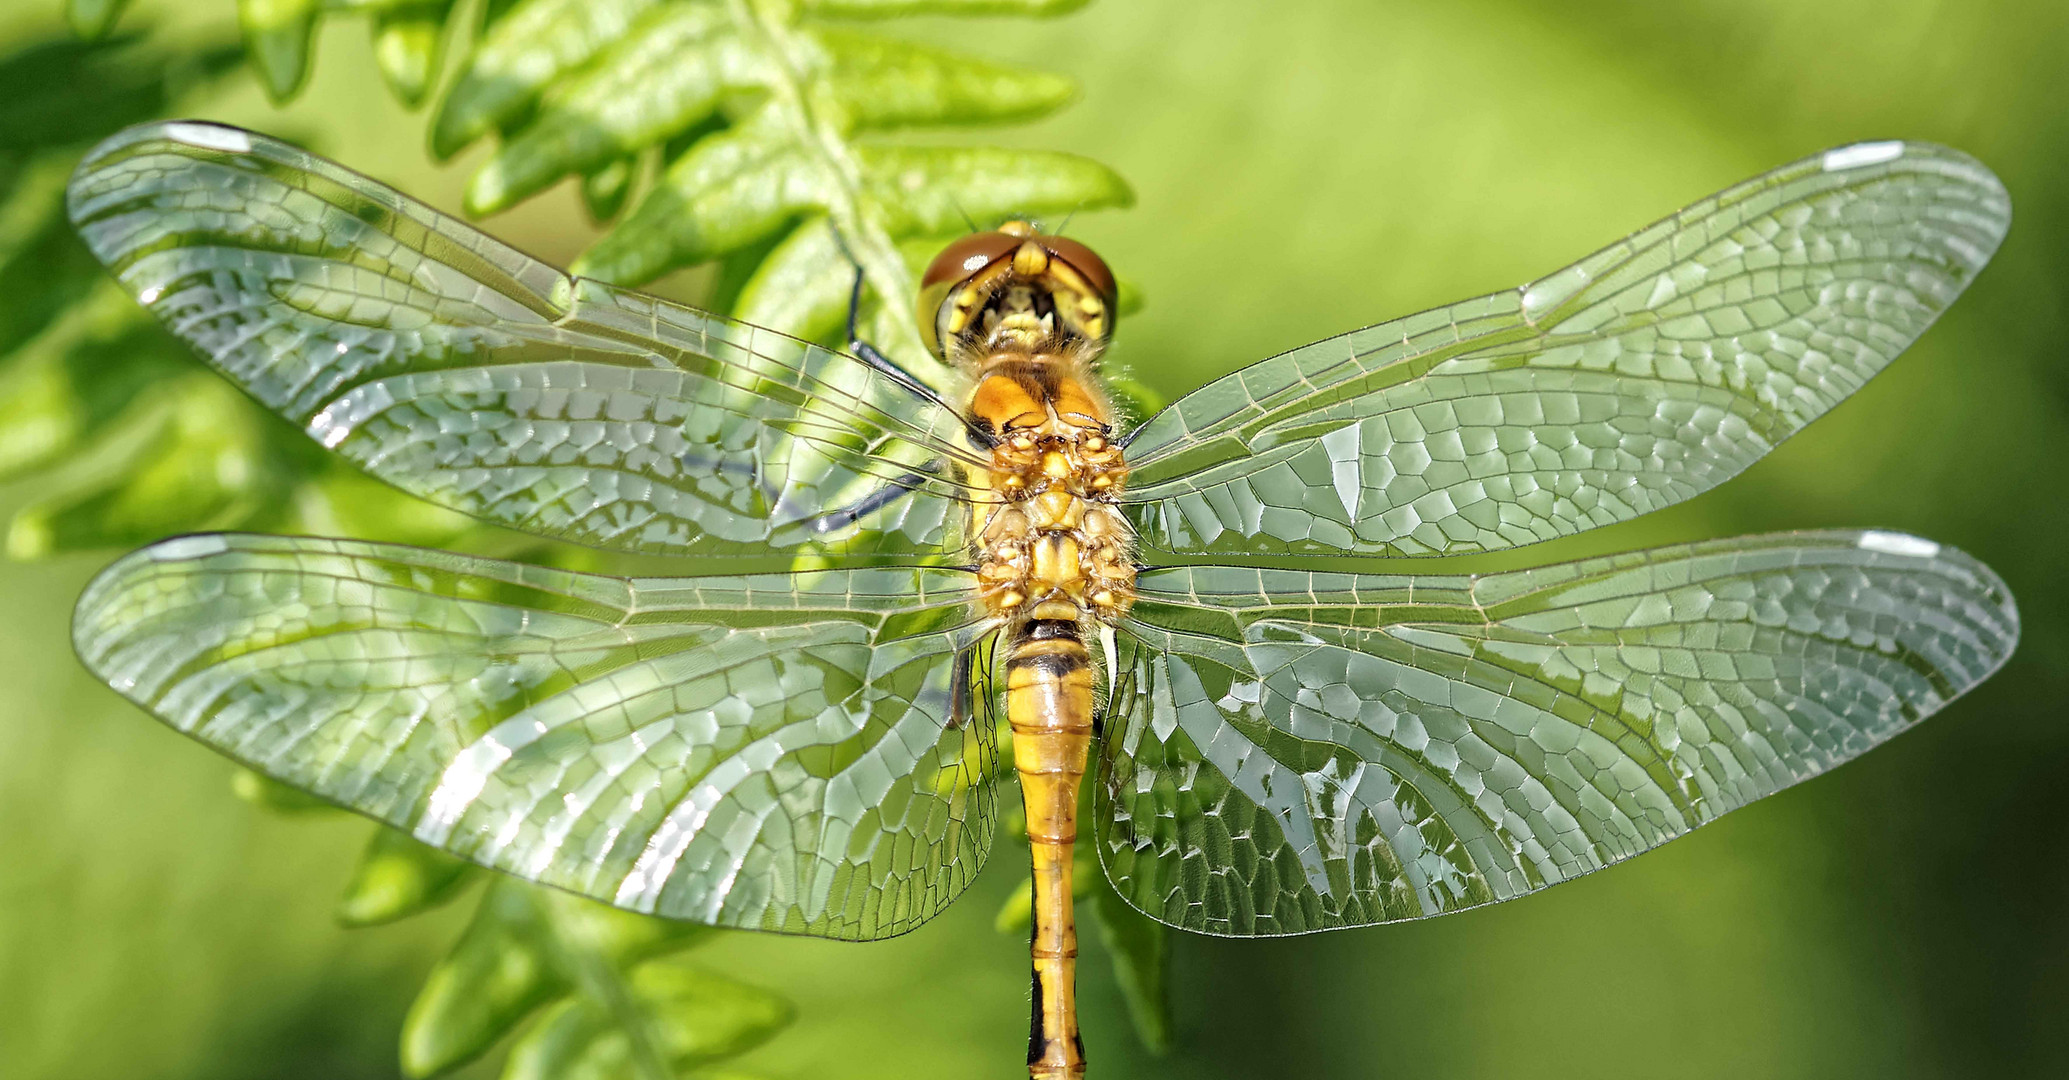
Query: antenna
[962, 213]
[1067, 218]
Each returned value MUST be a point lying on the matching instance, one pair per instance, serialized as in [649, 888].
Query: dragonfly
[809, 749]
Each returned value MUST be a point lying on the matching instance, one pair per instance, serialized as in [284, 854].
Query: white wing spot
[210, 137]
[1859, 154]
[1890, 543]
[1542, 296]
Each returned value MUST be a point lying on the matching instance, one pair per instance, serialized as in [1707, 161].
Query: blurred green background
[1301, 169]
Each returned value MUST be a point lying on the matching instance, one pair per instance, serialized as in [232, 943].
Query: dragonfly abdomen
[1049, 705]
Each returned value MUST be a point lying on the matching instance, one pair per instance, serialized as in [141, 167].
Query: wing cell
[466, 372]
[776, 752]
[1644, 374]
[1291, 752]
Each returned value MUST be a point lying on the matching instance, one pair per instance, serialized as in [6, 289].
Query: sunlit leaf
[93, 18]
[397, 877]
[686, 1018]
[883, 83]
[604, 191]
[535, 42]
[677, 62]
[523, 949]
[665, 74]
[269, 794]
[277, 35]
[408, 39]
[744, 185]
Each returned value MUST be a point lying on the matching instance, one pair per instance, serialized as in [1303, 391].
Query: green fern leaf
[719, 198]
[526, 948]
[271, 795]
[278, 35]
[409, 40]
[755, 110]
[695, 1018]
[399, 877]
[94, 19]
[520, 55]
[675, 66]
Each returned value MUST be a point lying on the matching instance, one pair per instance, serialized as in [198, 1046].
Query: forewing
[464, 371]
[1646, 373]
[1290, 752]
[774, 752]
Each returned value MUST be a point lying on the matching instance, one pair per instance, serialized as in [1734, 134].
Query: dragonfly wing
[466, 372]
[1291, 752]
[1644, 374]
[777, 752]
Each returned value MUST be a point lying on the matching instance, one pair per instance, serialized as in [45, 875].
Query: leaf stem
[850, 209]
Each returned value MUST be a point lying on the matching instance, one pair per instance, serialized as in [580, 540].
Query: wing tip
[205, 135]
[1927, 157]
[1976, 580]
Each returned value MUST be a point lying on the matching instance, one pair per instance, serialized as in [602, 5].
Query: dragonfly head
[1015, 288]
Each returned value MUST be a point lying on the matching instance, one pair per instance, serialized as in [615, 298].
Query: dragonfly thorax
[1054, 545]
[1027, 314]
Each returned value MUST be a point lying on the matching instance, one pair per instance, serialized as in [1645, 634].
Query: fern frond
[755, 116]
[748, 111]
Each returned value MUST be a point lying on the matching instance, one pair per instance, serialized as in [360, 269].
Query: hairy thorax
[1052, 542]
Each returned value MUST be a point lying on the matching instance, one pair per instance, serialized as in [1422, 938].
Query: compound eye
[1085, 262]
[967, 256]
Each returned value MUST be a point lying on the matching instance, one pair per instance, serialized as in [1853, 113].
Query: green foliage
[738, 116]
[135, 439]
[602, 990]
[736, 125]
[747, 116]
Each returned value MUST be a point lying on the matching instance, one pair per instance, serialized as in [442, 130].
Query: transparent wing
[464, 371]
[775, 752]
[1290, 752]
[1644, 374]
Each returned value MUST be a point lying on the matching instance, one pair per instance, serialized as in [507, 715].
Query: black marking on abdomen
[1051, 630]
[1053, 664]
[1036, 1043]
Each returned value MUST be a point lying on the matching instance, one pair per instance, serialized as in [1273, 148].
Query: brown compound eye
[967, 256]
[956, 263]
[1086, 263]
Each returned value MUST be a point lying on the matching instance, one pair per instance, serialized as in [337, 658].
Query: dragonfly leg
[906, 380]
[842, 517]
